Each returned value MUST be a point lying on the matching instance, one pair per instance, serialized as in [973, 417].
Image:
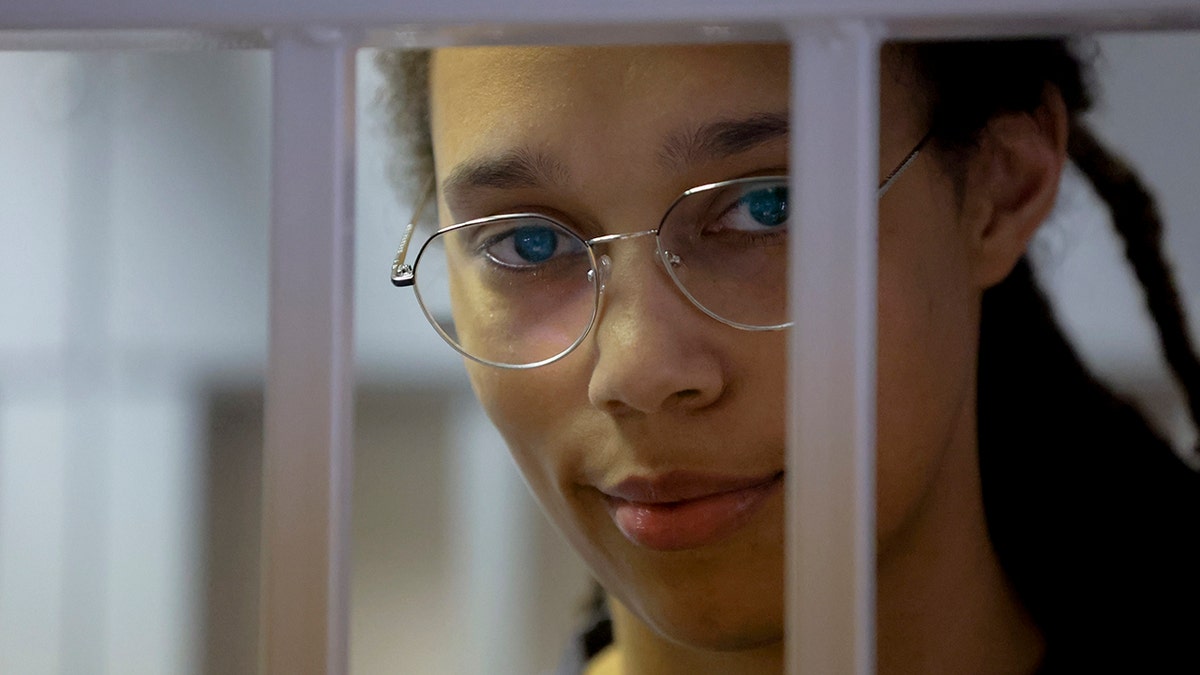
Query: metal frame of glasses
[832, 370]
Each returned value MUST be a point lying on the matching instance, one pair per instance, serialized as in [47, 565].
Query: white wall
[134, 216]
[1149, 96]
[132, 221]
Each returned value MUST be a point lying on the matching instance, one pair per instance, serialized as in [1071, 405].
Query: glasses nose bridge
[604, 261]
[621, 236]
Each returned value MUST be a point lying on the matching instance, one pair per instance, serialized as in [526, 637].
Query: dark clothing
[1095, 519]
[596, 635]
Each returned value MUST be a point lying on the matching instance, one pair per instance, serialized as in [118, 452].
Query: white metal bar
[307, 456]
[86, 32]
[217, 14]
[493, 557]
[90, 391]
[831, 533]
[141, 40]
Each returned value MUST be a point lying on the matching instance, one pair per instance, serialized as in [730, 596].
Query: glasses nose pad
[670, 259]
[599, 276]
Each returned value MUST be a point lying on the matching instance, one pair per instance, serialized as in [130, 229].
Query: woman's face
[658, 445]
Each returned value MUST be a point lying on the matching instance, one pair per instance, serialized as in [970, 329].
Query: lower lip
[693, 523]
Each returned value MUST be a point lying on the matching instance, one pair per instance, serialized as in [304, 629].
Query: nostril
[686, 399]
[693, 398]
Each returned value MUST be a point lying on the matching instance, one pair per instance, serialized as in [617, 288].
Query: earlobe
[1011, 186]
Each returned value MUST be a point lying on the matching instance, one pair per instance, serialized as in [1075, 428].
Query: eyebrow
[528, 168]
[722, 138]
[508, 171]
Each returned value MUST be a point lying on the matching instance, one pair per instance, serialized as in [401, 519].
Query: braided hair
[970, 82]
[1092, 514]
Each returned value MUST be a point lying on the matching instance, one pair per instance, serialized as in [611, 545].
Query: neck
[944, 605]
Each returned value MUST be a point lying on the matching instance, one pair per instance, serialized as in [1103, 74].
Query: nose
[654, 352]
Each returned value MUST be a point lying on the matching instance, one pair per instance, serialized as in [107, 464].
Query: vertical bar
[495, 565]
[307, 454]
[88, 356]
[831, 513]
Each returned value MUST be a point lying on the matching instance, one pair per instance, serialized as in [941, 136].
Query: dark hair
[969, 83]
[1076, 484]
[1078, 489]
[406, 102]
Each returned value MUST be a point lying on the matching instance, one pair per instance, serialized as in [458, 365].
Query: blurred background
[134, 212]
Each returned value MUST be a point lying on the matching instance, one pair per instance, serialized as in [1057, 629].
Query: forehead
[495, 99]
[612, 69]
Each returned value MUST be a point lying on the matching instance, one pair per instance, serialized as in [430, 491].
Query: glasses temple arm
[402, 272]
[908, 159]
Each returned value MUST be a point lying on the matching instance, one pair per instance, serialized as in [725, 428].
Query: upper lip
[679, 486]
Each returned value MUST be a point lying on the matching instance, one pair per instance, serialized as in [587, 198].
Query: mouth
[684, 510]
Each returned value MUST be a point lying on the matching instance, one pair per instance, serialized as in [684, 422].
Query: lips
[683, 510]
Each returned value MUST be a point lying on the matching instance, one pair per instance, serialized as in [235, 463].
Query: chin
[747, 639]
[707, 603]
[715, 628]
[723, 597]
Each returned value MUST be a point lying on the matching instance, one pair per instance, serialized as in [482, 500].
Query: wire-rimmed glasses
[521, 290]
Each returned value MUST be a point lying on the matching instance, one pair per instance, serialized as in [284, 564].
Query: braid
[1136, 218]
[971, 82]
[1073, 477]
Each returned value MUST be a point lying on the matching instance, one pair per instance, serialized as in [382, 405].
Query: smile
[685, 510]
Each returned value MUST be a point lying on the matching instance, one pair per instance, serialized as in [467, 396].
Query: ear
[1011, 185]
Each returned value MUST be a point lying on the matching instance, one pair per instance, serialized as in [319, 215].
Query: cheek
[927, 345]
[533, 411]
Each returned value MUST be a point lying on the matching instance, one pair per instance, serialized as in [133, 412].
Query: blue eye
[768, 206]
[526, 243]
[534, 243]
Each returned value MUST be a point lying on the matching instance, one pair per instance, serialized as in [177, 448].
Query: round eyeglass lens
[725, 244]
[514, 291]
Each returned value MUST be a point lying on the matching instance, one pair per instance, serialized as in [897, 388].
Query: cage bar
[831, 534]
[500, 18]
[308, 422]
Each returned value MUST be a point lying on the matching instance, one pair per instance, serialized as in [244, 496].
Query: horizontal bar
[911, 17]
[142, 40]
